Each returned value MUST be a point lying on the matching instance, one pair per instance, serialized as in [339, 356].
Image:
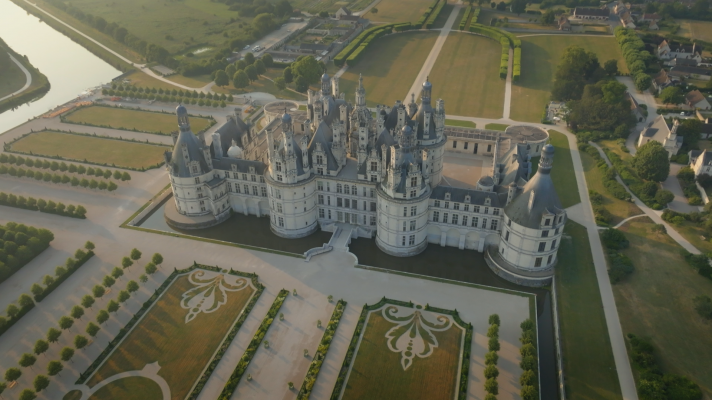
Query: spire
[426, 91]
[546, 160]
[360, 93]
[182, 114]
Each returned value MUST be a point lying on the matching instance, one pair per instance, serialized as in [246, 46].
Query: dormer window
[414, 181]
[319, 159]
[467, 198]
[194, 169]
[547, 222]
[447, 197]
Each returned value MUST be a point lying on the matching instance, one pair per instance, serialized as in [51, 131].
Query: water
[70, 68]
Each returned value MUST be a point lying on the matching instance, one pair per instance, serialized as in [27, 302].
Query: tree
[518, 6]
[92, 329]
[12, 374]
[117, 272]
[108, 281]
[89, 246]
[260, 67]
[651, 162]
[548, 17]
[143, 278]
[240, 80]
[309, 68]
[323, 14]
[87, 301]
[3, 386]
[28, 394]
[41, 347]
[132, 286]
[36, 289]
[40, 383]
[113, 306]
[125, 176]
[126, 262]
[703, 306]
[65, 323]
[12, 310]
[54, 368]
[287, 75]
[80, 342]
[251, 72]
[123, 296]
[66, 354]
[576, 69]
[102, 317]
[279, 83]
[27, 360]
[77, 312]
[53, 335]
[611, 67]
[157, 259]
[690, 129]
[672, 95]
[301, 84]
[491, 386]
[374, 10]
[25, 301]
[150, 268]
[643, 81]
[98, 291]
[249, 60]
[135, 254]
[221, 78]
[529, 393]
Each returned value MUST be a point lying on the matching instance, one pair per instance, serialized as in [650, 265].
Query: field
[468, 91]
[531, 94]
[131, 388]
[497, 127]
[92, 149]
[128, 119]
[464, 124]
[389, 67]
[390, 11]
[181, 348]
[587, 353]
[656, 302]
[196, 82]
[12, 78]
[140, 79]
[377, 372]
[563, 172]
[314, 6]
[701, 30]
[619, 209]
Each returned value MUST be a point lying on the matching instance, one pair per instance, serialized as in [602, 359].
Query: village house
[669, 50]
[696, 99]
[684, 72]
[654, 17]
[591, 13]
[564, 23]
[661, 81]
[659, 132]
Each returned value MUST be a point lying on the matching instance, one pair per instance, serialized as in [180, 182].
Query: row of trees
[63, 167]
[171, 92]
[57, 178]
[19, 245]
[42, 205]
[304, 71]
[529, 380]
[65, 323]
[242, 72]
[491, 358]
[166, 98]
[636, 57]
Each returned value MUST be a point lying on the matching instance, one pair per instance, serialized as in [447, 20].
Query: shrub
[614, 239]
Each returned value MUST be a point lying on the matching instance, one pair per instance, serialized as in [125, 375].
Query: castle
[400, 176]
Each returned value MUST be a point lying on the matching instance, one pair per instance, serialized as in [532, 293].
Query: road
[642, 98]
[28, 78]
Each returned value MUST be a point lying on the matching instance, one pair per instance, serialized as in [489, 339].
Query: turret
[325, 85]
[360, 93]
[335, 87]
[425, 92]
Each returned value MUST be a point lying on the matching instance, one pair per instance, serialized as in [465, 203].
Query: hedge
[72, 168]
[351, 351]
[244, 362]
[318, 359]
[465, 17]
[344, 54]
[528, 351]
[517, 64]
[56, 178]
[30, 203]
[54, 285]
[423, 18]
[16, 251]
[358, 53]
[434, 15]
[406, 26]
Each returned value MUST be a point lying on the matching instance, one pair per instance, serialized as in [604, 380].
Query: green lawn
[129, 119]
[587, 353]
[540, 56]
[140, 79]
[181, 349]
[497, 127]
[263, 85]
[656, 302]
[131, 388]
[12, 78]
[377, 372]
[196, 82]
[467, 90]
[92, 149]
[389, 67]
[464, 124]
[619, 209]
[701, 30]
[563, 171]
[441, 19]
[391, 11]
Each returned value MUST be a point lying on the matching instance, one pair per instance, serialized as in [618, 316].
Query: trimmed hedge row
[475, 17]
[529, 380]
[70, 270]
[344, 54]
[405, 26]
[19, 244]
[315, 365]
[358, 53]
[241, 367]
[56, 178]
[465, 17]
[517, 64]
[41, 205]
[54, 166]
[493, 346]
[504, 59]
[434, 15]
[507, 40]
[426, 15]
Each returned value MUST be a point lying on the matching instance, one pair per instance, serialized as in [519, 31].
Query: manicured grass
[181, 349]
[465, 124]
[540, 56]
[196, 82]
[12, 78]
[616, 146]
[91, 149]
[656, 302]
[619, 209]
[262, 85]
[701, 30]
[587, 353]
[128, 119]
[131, 388]
[497, 127]
[443, 16]
[696, 235]
[468, 91]
[140, 79]
[563, 172]
[391, 11]
[389, 67]
[377, 372]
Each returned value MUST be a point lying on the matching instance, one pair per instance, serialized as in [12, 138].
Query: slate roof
[591, 12]
[694, 97]
[477, 197]
[324, 135]
[195, 153]
[225, 164]
[685, 70]
[233, 129]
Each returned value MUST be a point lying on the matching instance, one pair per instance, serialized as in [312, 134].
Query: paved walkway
[433, 56]
[642, 98]
[624, 221]
[508, 86]
[28, 78]
[672, 184]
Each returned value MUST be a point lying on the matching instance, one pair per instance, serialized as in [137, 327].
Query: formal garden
[90, 149]
[405, 350]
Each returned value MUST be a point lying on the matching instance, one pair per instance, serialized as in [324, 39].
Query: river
[70, 68]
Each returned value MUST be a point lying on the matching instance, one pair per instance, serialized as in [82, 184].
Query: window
[445, 215]
[354, 204]
[277, 192]
[321, 199]
[464, 220]
[454, 144]
[484, 223]
[509, 222]
[279, 207]
[411, 240]
[253, 178]
[489, 148]
[553, 244]
[436, 216]
[373, 220]
[405, 211]
[486, 210]
[354, 190]
[373, 206]
[447, 204]
[254, 191]
[339, 216]
[506, 236]
[374, 166]
[413, 193]
[364, 220]
[247, 189]
[467, 207]
[279, 178]
[547, 222]
[320, 171]
[475, 220]
[339, 202]
[437, 203]
[263, 191]
[556, 232]
[561, 217]
[456, 206]
[403, 241]
[346, 189]
[537, 262]
[374, 178]
[495, 211]
[493, 224]
[413, 211]
[354, 219]
[281, 222]
[320, 159]
[545, 233]
[477, 209]
[373, 193]
[347, 203]
[466, 145]
[197, 180]
[278, 167]
[404, 225]
[454, 219]
[329, 211]
[542, 246]
[412, 225]
[237, 188]
[549, 260]
[320, 185]
[195, 171]
[262, 179]
[328, 200]
[244, 177]
[338, 188]
[321, 213]
[414, 181]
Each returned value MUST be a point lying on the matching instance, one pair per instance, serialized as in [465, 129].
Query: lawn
[91, 149]
[390, 11]
[701, 30]
[619, 209]
[195, 82]
[377, 372]
[140, 79]
[182, 349]
[131, 388]
[563, 172]
[441, 19]
[464, 124]
[262, 85]
[467, 90]
[129, 119]
[497, 127]
[12, 78]
[587, 353]
[389, 67]
[656, 302]
[540, 56]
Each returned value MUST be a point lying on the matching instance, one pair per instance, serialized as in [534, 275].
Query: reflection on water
[70, 68]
